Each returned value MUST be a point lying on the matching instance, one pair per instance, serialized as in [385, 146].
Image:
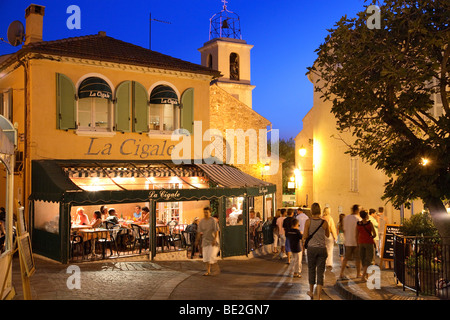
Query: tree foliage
[381, 83]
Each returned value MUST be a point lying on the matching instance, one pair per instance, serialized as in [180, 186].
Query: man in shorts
[350, 242]
[208, 228]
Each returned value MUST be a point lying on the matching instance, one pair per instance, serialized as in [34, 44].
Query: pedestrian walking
[340, 238]
[365, 233]
[294, 238]
[316, 231]
[301, 217]
[382, 222]
[350, 243]
[276, 233]
[208, 228]
[331, 239]
[287, 223]
[373, 218]
[282, 235]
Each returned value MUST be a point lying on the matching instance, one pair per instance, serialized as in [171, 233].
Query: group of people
[361, 239]
[296, 234]
[106, 214]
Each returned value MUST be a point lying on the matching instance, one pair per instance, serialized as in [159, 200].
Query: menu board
[26, 254]
[387, 251]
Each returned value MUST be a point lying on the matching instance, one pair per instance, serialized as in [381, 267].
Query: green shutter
[65, 102]
[187, 110]
[140, 108]
[2, 112]
[123, 100]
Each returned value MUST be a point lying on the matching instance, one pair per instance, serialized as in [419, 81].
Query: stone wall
[227, 112]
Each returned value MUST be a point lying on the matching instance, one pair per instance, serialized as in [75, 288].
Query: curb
[345, 292]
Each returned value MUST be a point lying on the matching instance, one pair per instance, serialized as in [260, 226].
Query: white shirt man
[301, 217]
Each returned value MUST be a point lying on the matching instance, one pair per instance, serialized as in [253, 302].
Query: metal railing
[126, 243]
[422, 264]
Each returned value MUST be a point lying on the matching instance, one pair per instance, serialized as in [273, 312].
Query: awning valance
[52, 182]
[163, 95]
[94, 87]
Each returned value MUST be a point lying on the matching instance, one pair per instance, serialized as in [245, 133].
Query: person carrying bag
[317, 250]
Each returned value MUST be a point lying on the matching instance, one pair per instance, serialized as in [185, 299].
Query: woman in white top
[330, 240]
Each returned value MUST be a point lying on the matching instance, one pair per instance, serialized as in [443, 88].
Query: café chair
[76, 241]
[162, 241]
[111, 241]
[140, 236]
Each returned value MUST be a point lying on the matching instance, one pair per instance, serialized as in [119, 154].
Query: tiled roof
[103, 48]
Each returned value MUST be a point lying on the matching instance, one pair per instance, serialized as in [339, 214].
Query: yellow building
[101, 122]
[327, 175]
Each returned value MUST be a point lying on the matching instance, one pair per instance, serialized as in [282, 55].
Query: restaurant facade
[99, 122]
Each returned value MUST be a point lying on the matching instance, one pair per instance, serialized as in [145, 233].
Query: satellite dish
[15, 33]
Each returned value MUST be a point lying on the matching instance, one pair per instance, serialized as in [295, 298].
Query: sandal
[207, 274]
[310, 295]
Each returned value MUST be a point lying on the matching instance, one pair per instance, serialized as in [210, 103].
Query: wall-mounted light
[302, 151]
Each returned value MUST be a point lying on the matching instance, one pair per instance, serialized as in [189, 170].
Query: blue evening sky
[284, 34]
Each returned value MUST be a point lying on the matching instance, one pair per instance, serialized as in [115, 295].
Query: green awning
[50, 182]
[94, 87]
[163, 95]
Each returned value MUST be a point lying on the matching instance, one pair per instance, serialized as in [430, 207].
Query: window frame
[176, 119]
[94, 128]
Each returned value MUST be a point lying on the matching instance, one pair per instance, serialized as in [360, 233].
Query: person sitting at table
[104, 212]
[112, 216]
[137, 212]
[145, 214]
[82, 218]
[96, 219]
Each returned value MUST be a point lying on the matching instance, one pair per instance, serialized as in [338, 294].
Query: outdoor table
[92, 235]
[79, 227]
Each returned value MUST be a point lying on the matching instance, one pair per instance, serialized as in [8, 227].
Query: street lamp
[425, 162]
[265, 168]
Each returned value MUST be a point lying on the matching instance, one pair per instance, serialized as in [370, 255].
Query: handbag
[370, 233]
[311, 235]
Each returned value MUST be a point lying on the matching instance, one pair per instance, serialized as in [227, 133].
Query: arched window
[234, 66]
[164, 109]
[94, 105]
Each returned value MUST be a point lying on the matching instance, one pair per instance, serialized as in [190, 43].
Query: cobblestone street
[252, 279]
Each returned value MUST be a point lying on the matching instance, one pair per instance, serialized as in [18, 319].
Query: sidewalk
[258, 277]
[354, 288]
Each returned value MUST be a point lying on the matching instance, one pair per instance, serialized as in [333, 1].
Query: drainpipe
[25, 187]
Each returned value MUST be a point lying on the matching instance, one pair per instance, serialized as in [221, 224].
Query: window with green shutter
[123, 107]
[65, 103]
[140, 107]
[187, 110]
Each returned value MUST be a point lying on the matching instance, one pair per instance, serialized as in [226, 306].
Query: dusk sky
[284, 34]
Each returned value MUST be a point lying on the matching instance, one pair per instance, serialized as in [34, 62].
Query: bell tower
[227, 52]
